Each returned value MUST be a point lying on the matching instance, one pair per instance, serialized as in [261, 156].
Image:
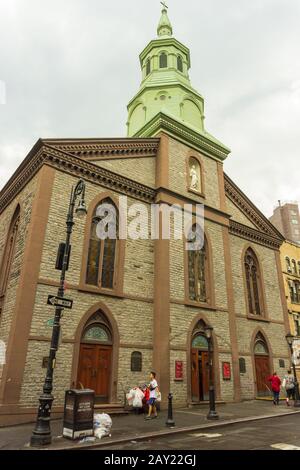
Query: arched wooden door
[262, 366]
[95, 360]
[199, 368]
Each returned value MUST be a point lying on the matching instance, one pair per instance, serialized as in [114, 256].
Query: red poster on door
[178, 370]
[226, 370]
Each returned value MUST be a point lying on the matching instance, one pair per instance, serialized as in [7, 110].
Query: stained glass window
[102, 254]
[253, 283]
[200, 342]
[260, 348]
[96, 333]
[197, 269]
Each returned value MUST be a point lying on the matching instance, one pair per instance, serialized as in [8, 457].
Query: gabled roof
[234, 193]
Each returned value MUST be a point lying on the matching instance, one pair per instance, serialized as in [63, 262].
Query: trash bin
[78, 413]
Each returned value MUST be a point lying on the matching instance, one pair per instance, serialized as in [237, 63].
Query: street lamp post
[212, 414]
[41, 434]
[290, 339]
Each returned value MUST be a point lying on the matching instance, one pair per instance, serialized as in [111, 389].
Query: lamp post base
[212, 415]
[41, 435]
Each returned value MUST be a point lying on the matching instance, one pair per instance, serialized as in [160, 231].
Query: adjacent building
[140, 304]
[287, 220]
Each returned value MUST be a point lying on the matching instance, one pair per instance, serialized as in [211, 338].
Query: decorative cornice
[205, 144]
[71, 164]
[249, 209]
[255, 236]
[117, 148]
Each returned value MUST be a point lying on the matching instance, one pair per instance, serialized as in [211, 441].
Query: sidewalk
[134, 427]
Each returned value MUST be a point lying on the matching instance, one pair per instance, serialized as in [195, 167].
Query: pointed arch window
[163, 60]
[102, 252]
[288, 264]
[253, 282]
[148, 67]
[8, 255]
[179, 63]
[197, 266]
[294, 266]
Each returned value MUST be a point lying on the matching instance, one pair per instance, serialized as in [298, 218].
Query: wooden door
[94, 369]
[103, 373]
[195, 375]
[262, 368]
[86, 369]
[204, 376]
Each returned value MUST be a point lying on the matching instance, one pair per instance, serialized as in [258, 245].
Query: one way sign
[59, 301]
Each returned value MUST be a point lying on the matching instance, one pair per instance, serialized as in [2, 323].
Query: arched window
[102, 252]
[148, 67]
[242, 365]
[288, 264]
[298, 268]
[253, 281]
[260, 346]
[294, 266]
[136, 361]
[97, 333]
[179, 63]
[163, 60]
[200, 342]
[8, 253]
[197, 265]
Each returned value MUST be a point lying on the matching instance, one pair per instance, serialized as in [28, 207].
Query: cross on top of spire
[164, 27]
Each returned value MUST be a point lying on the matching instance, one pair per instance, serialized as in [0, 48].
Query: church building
[139, 304]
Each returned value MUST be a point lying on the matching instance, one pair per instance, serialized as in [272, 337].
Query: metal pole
[212, 414]
[170, 421]
[41, 434]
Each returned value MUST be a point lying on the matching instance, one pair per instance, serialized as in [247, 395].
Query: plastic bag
[130, 397]
[138, 399]
[158, 396]
[102, 425]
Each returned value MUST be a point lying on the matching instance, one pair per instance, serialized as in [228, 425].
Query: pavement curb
[106, 442]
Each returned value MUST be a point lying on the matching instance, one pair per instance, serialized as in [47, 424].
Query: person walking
[275, 385]
[289, 385]
[153, 388]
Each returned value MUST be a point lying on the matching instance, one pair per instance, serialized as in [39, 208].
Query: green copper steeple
[166, 93]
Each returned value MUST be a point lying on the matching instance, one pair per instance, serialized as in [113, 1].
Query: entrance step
[110, 408]
[268, 398]
[204, 403]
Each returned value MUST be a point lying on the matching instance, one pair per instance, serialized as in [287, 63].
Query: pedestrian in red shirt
[275, 384]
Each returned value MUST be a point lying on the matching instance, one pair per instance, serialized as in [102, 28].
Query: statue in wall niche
[195, 183]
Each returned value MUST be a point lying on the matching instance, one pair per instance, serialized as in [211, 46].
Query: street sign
[50, 322]
[59, 301]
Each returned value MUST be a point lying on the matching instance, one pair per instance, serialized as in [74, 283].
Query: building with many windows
[287, 220]
[140, 304]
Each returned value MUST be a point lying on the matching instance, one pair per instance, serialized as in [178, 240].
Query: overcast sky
[70, 67]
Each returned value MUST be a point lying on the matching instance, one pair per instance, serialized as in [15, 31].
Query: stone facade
[132, 309]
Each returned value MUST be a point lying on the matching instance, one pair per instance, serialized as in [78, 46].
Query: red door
[195, 376]
[94, 369]
[262, 368]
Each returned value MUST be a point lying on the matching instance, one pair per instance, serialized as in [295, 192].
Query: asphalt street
[281, 433]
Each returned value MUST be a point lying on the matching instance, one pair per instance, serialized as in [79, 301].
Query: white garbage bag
[102, 425]
[130, 396]
[138, 398]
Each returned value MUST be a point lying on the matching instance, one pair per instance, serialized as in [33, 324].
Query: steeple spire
[164, 26]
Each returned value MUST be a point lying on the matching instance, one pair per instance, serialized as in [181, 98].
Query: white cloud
[71, 67]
